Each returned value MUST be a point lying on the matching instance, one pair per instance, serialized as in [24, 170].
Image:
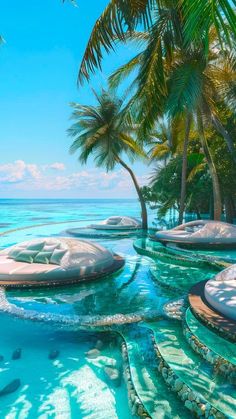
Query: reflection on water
[131, 290]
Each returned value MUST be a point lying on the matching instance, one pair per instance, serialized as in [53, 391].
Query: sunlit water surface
[73, 384]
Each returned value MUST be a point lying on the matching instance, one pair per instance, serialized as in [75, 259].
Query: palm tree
[101, 131]
[122, 16]
[184, 168]
[193, 84]
[165, 183]
[169, 38]
[173, 140]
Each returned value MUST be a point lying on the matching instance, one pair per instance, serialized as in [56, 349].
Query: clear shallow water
[74, 385]
[128, 291]
[71, 385]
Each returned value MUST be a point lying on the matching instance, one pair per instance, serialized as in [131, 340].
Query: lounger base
[195, 245]
[209, 315]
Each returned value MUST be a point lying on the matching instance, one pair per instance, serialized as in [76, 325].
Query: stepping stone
[11, 387]
[16, 354]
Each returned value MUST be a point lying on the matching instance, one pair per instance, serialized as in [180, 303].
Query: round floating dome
[117, 223]
[55, 261]
[200, 234]
[222, 296]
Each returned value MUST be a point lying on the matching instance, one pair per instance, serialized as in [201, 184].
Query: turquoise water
[76, 384]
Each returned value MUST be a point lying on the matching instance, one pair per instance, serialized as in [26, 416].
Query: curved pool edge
[74, 321]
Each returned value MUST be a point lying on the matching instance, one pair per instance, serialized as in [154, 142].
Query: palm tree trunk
[229, 218]
[139, 193]
[212, 168]
[184, 169]
[222, 131]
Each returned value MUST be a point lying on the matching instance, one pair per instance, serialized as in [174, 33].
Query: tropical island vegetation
[179, 109]
[122, 320]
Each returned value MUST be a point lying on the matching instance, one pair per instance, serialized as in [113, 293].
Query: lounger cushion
[43, 257]
[36, 246]
[222, 296]
[57, 256]
[227, 274]
[201, 232]
[117, 223]
[67, 258]
[26, 256]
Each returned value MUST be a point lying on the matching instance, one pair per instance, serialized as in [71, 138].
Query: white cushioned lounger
[221, 295]
[55, 260]
[117, 223]
[200, 233]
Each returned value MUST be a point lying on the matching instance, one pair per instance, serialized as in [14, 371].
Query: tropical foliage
[183, 89]
[121, 17]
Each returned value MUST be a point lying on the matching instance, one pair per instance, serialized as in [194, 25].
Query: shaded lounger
[117, 223]
[200, 234]
[55, 262]
[220, 292]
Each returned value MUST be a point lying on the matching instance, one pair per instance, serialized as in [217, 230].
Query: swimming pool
[105, 349]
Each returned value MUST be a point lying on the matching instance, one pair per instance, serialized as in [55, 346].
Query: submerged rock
[93, 353]
[108, 362]
[99, 344]
[16, 354]
[53, 354]
[11, 387]
[113, 375]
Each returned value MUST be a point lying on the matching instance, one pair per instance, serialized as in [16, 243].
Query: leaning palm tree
[102, 131]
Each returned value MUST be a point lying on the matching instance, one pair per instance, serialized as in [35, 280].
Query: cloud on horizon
[53, 178]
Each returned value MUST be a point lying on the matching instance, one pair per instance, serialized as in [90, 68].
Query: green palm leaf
[112, 25]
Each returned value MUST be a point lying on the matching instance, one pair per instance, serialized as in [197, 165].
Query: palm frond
[197, 169]
[185, 84]
[118, 17]
[201, 15]
[124, 71]
[160, 151]
[132, 145]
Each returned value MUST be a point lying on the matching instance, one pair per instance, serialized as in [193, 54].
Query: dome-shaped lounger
[220, 292]
[200, 234]
[55, 262]
[117, 223]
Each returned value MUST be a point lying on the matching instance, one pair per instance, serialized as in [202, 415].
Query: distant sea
[15, 213]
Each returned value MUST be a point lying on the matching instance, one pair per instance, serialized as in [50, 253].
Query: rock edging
[193, 401]
[221, 365]
[136, 405]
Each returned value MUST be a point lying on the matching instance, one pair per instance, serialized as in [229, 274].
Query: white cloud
[33, 170]
[56, 166]
[22, 176]
[18, 171]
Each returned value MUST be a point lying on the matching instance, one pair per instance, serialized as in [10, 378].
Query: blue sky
[45, 41]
